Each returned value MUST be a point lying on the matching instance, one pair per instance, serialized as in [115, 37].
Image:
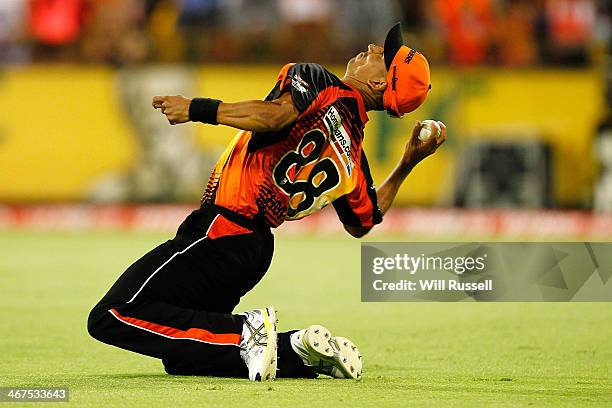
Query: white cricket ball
[430, 127]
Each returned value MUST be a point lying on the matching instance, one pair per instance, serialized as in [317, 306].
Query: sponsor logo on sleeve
[298, 83]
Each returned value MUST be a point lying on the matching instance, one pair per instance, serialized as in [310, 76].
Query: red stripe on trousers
[192, 333]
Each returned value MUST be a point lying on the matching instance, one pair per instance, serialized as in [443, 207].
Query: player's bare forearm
[257, 116]
[385, 195]
[416, 150]
[387, 191]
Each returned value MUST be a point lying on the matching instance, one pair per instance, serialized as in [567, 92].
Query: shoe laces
[257, 334]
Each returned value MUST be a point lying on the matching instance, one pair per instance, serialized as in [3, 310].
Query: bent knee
[97, 324]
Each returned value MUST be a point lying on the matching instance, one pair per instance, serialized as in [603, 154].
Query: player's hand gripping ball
[426, 137]
[430, 127]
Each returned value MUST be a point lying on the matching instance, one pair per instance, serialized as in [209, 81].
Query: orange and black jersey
[317, 160]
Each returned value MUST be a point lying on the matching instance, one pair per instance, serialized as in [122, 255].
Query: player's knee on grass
[97, 326]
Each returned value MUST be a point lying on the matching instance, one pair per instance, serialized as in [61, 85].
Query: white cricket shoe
[258, 347]
[336, 356]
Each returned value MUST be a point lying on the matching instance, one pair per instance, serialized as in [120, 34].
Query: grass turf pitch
[415, 354]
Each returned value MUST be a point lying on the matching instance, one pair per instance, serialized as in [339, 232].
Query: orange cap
[408, 80]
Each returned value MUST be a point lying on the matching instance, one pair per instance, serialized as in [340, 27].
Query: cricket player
[297, 151]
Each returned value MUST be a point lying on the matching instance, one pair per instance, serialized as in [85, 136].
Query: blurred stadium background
[524, 86]
[91, 177]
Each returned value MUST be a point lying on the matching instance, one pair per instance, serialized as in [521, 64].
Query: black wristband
[204, 110]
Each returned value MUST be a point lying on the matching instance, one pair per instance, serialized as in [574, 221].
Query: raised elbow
[278, 116]
[357, 232]
[276, 123]
[281, 118]
[267, 123]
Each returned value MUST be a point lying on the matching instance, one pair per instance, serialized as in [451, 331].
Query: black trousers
[176, 302]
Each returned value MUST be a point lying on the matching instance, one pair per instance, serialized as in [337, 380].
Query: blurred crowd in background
[518, 138]
[458, 32]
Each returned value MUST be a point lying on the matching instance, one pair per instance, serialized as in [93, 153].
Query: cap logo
[410, 56]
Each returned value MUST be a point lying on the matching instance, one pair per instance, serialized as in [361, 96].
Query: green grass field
[415, 354]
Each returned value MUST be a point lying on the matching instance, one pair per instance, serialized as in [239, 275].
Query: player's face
[369, 64]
